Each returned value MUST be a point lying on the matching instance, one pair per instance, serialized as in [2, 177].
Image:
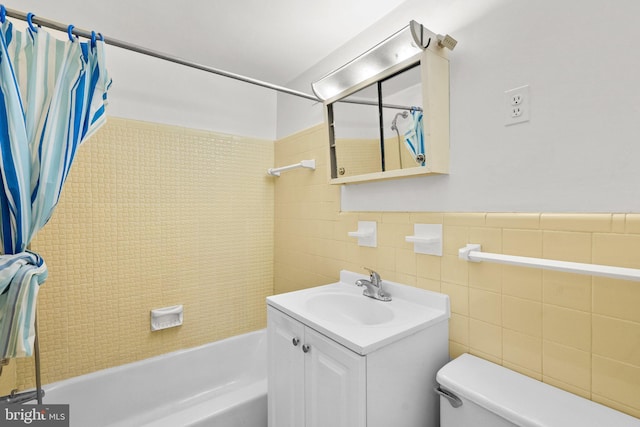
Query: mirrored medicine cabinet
[394, 123]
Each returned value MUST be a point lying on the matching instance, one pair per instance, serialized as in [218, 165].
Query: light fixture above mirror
[394, 53]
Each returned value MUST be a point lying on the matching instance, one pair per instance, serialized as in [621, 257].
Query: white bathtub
[222, 384]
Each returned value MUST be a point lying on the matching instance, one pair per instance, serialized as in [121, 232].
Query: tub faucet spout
[373, 286]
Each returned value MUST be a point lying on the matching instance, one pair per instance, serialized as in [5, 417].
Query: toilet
[478, 393]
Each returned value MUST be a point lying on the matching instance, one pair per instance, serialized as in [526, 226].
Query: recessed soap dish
[167, 317]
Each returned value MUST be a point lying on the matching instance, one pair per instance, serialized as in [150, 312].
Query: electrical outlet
[516, 99]
[517, 105]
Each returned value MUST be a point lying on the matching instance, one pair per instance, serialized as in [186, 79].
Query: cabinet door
[285, 370]
[335, 387]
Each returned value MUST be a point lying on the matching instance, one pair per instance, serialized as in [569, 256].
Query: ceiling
[270, 40]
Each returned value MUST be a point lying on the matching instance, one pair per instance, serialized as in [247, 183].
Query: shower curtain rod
[44, 22]
[144, 51]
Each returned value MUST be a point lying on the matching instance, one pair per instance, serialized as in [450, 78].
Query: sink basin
[353, 309]
[363, 325]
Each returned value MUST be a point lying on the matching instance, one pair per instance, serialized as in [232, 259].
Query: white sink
[351, 309]
[362, 324]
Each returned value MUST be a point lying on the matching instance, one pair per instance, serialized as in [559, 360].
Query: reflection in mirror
[368, 137]
[356, 127]
[402, 122]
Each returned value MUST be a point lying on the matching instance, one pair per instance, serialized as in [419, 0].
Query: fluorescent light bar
[402, 47]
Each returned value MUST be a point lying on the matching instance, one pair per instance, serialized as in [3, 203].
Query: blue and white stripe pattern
[53, 95]
[414, 136]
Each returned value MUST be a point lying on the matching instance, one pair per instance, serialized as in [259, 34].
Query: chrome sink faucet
[373, 286]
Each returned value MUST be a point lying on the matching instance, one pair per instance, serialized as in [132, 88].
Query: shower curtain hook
[3, 13]
[93, 39]
[70, 31]
[30, 22]
[101, 37]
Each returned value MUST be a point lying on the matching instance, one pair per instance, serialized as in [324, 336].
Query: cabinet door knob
[295, 341]
[306, 348]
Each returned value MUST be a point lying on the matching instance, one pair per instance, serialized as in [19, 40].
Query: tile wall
[156, 215]
[152, 216]
[358, 156]
[579, 333]
[362, 156]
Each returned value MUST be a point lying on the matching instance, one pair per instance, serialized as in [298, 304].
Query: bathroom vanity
[338, 358]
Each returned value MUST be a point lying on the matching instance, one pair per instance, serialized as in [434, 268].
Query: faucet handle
[374, 276]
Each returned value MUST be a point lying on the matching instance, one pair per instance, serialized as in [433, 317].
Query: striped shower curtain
[52, 98]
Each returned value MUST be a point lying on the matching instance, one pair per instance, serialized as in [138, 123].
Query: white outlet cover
[517, 105]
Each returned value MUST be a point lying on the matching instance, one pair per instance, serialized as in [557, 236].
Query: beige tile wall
[152, 216]
[576, 332]
[358, 156]
[156, 215]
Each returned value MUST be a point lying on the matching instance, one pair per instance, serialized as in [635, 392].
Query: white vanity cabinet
[339, 359]
[313, 381]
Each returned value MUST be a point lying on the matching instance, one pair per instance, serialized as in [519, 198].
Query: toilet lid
[523, 400]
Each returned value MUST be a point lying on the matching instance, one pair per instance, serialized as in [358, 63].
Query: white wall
[579, 152]
[149, 89]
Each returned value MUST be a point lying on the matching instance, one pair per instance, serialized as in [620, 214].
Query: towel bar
[472, 252]
[308, 164]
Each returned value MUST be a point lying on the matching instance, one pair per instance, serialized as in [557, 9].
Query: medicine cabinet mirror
[395, 123]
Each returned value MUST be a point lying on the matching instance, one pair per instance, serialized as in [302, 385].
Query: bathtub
[222, 384]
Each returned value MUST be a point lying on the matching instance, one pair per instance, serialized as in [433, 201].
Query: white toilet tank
[494, 396]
